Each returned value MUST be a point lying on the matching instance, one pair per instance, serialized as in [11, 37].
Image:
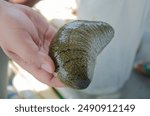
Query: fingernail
[46, 67]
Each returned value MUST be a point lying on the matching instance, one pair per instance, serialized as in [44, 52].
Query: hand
[25, 37]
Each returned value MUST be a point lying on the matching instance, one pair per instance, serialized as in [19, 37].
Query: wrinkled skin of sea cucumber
[75, 48]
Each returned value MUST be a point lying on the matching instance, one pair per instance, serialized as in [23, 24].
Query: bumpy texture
[75, 48]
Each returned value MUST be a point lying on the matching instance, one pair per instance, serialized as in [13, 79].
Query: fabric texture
[129, 19]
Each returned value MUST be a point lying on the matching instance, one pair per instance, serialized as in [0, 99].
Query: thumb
[27, 54]
[25, 51]
[46, 62]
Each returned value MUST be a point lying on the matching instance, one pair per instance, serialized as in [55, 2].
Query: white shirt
[114, 64]
[130, 19]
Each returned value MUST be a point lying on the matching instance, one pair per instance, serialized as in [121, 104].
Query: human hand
[25, 37]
